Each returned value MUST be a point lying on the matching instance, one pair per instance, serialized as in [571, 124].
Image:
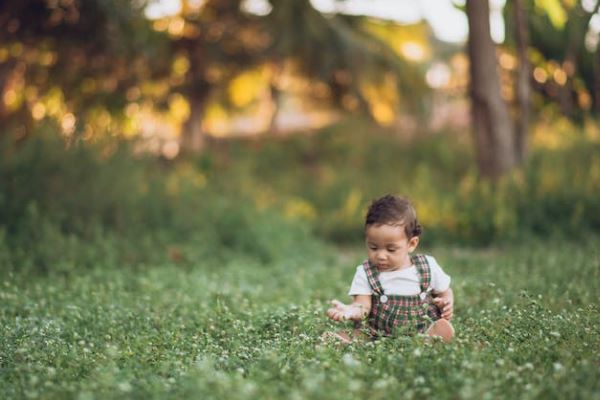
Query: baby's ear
[413, 243]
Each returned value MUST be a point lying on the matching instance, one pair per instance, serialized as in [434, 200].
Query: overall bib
[390, 313]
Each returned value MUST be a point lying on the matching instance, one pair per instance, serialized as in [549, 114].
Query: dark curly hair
[394, 210]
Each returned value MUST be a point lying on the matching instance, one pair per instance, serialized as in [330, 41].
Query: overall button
[423, 295]
[383, 299]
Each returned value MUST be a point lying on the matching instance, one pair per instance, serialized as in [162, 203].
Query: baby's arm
[359, 309]
[445, 301]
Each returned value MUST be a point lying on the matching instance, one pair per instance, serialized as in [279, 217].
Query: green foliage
[336, 173]
[526, 319]
[87, 54]
[557, 34]
[339, 51]
[64, 209]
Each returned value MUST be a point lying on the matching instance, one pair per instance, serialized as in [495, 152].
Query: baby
[394, 289]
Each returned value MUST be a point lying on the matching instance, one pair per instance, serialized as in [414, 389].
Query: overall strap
[424, 271]
[373, 277]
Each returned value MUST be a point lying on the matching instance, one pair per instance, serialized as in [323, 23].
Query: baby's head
[392, 232]
[394, 210]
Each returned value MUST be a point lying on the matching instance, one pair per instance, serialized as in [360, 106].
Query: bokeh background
[167, 130]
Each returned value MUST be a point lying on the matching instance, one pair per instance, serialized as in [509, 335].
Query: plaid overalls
[410, 313]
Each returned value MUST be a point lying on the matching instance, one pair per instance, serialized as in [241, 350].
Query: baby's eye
[392, 250]
[372, 247]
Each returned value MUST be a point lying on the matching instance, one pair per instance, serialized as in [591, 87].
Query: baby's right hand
[343, 312]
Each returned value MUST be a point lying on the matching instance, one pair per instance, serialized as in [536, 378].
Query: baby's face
[388, 247]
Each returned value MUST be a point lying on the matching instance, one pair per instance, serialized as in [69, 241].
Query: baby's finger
[340, 315]
[334, 314]
[336, 303]
[439, 302]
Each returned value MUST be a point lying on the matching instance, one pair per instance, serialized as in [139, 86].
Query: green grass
[527, 320]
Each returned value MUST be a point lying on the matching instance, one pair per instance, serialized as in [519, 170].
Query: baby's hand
[343, 312]
[446, 305]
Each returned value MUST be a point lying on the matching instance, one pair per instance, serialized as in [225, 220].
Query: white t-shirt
[404, 282]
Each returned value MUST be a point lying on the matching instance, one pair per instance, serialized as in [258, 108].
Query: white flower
[558, 367]
[349, 361]
[124, 386]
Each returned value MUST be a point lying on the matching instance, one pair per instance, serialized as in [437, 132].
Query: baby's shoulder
[430, 259]
[434, 266]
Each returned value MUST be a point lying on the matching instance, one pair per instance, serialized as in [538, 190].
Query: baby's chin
[384, 267]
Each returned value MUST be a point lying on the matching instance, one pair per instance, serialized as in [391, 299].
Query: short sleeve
[440, 281]
[360, 283]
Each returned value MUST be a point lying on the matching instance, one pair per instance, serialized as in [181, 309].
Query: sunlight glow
[10, 98]
[68, 123]
[438, 75]
[258, 7]
[170, 149]
[593, 34]
[540, 75]
[159, 8]
[560, 76]
[507, 61]
[413, 51]
[449, 24]
[38, 111]
[176, 27]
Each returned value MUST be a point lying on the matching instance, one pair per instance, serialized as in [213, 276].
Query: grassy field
[527, 320]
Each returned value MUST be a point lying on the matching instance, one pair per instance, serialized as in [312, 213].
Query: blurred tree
[219, 40]
[522, 83]
[596, 70]
[334, 53]
[492, 129]
[61, 59]
[549, 41]
[341, 53]
[557, 50]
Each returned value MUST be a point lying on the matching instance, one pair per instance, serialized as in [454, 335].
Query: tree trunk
[523, 88]
[491, 125]
[596, 94]
[274, 95]
[192, 135]
[192, 138]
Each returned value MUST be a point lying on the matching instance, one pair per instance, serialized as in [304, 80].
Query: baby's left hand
[445, 301]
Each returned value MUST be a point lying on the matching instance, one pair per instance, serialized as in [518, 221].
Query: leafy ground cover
[527, 319]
